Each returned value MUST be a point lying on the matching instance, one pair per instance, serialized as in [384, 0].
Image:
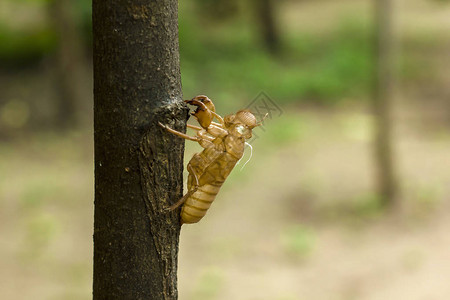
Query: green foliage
[209, 284]
[288, 128]
[39, 2]
[36, 193]
[228, 61]
[424, 201]
[367, 206]
[216, 10]
[25, 46]
[40, 230]
[84, 12]
[354, 211]
[14, 114]
[298, 241]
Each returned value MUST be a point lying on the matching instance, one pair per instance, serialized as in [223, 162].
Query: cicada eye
[240, 129]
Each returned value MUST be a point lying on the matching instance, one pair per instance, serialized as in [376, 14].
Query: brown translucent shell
[244, 117]
[223, 143]
[204, 108]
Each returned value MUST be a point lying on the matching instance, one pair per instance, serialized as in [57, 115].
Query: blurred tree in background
[217, 10]
[263, 12]
[266, 10]
[69, 60]
[51, 38]
[384, 90]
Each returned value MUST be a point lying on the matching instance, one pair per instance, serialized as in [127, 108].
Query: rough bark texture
[138, 166]
[383, 97]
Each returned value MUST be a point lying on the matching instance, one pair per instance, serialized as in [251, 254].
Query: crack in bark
[156, 164]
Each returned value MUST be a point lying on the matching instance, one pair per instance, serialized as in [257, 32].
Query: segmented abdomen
[196, 206]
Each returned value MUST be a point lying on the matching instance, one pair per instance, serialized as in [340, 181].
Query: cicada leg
[222, 122]
[180, 134]
[217, 131]
[189, 193]
[194, 127]
[204, 140]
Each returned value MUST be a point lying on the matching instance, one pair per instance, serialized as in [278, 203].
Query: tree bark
[383, 97]
[138, 166]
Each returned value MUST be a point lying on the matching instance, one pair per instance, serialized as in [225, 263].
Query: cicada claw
[205, 111]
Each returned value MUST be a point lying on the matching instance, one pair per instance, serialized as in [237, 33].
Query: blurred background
[336, 202]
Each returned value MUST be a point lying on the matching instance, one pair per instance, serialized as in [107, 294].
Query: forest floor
[300, 221]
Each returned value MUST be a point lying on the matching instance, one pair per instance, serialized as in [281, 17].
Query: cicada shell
[223, 143]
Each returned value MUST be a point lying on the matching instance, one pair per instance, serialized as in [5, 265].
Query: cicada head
[241, 123]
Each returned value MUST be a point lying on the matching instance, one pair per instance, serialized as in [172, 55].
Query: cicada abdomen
[196, 206]
[205, 191]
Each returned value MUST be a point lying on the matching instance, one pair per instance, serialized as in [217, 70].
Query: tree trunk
[383, 97]
[69, 61]
[138, 165]
[268, 25]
